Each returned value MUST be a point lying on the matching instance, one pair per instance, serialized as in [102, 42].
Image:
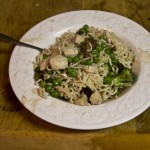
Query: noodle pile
[87, 67]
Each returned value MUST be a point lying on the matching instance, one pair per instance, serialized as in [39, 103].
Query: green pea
[49, 80]
[85, 26]
[108, 51]
[69, 59]
[75, 59]
[55, 81]
[70, 69]
[112, 55]
[96, 60]
[83, 30]
[48, 88]
[55, 93]
[88, 62]
[95, 52]
[71, 72]
[42, 84]
[99, 48]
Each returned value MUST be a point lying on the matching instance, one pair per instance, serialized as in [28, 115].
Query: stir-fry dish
[87, 67]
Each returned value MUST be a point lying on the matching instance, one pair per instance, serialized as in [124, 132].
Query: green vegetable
[95, 52]
[48, 88]
[37, 76]
[85, 26]
[83, 30]
[75, 59]
[108, 80]
[112, 55]
[83, 62]
[71, 72]
[112, 74]
[122, 80]
[96, 60]
[37, 69]
[82, 46]
[55, 93]
[56, 81]
[49, 80]
[42, 84]
[49, 72]
[104, 46]
[117, 93]
[88, 62]
[108, 67]
[99, 48]
[115, 61]
[121, 83]
[69, 59]
[108, 51]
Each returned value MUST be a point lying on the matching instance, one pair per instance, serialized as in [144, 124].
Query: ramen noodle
[86, 67]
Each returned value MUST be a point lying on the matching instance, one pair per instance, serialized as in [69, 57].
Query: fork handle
[10, 40]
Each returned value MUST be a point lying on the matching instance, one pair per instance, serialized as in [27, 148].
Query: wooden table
[19, 129]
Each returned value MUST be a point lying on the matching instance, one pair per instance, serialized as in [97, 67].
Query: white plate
[55, 111]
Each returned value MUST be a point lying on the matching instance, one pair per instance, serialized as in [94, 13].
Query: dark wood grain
[19, 129]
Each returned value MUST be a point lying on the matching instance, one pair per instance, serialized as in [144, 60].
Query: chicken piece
[58, 62]
[70, 51]
[82, 101]
[44, 64]
[91, 69]
[79, 39]
[96, 98]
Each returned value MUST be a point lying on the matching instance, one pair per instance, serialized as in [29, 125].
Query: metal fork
[10, 40]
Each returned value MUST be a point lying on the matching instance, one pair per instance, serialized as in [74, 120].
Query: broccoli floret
[125, 79]
[120, 82]
[108, 80]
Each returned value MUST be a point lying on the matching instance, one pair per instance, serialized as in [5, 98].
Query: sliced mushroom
[96, 98]
[82, 101]
[91, 69]
[92, 41]
[58, 62]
